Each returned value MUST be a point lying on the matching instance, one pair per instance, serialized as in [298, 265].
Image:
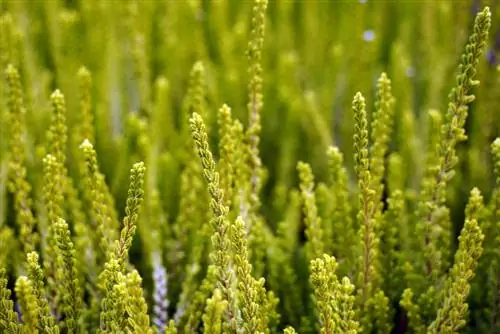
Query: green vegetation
[249, 167]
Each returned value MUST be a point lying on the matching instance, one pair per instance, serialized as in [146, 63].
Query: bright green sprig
[62, 185]
[46, 322]
[221, 253]
[137, 309]
[247, 285]
[134, 200]
[334, 299]
[389, 253]
[98, 190]
[113, 303]
[27, 304]
[325, 282]
[8, 318]
[68, 277]
[289, 330]
[105, 229]
[57, 138]
[213, 317]
[18, 183]
[369, 243]
[53, 199]
[120, 299]
[451, 316]
[452, 131]
[313, 231]
[361, 158]
[269, 316]
[347, 309]
[380, 135]
[255, 101]
[57, 184]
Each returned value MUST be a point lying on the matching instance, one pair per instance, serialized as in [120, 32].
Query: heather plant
[249, 167]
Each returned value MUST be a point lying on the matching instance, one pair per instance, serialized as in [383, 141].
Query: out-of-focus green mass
[243, 167]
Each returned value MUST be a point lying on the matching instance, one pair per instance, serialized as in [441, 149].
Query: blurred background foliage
[316, 56]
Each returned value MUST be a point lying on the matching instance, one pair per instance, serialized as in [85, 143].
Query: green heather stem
[451, 316]
[46, 322]
[452, 131]
[8, 318]
[134, 200]
[276, 199]
[367, 271]
[255, 102]
[18, 183]
[27, 304]
[247, 285]
[380, 136]
[213, 317]
[220, 256]
[67, 274]
[99, 214]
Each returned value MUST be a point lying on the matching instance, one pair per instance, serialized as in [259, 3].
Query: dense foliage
[249, 167]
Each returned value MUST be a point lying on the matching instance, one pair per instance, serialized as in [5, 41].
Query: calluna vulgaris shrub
[249, 167]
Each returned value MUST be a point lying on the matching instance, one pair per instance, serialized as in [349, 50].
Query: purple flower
[17, 309]
[160, 298]
[368, 35]
[491, 57]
